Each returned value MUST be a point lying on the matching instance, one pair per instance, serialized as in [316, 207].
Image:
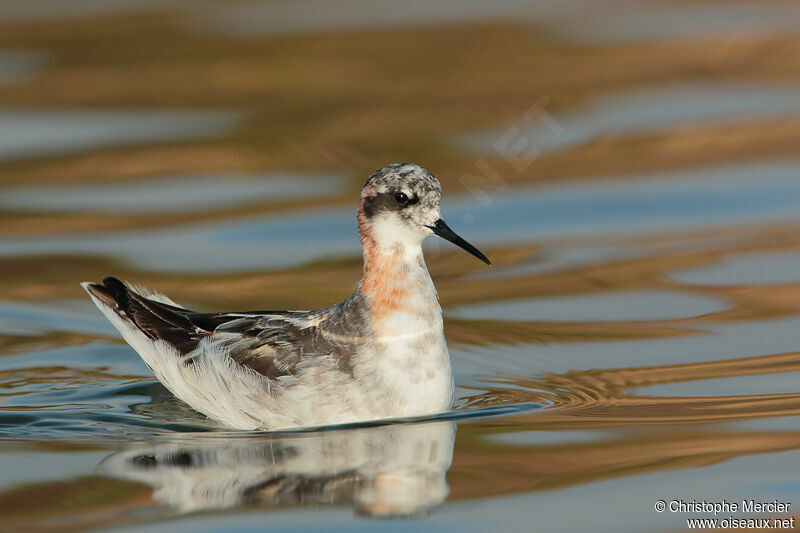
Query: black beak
[443, 230]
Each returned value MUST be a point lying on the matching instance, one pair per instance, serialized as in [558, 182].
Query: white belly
[386, 383]
[397, 376]
[410, 370]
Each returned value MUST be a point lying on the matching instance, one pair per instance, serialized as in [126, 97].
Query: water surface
[171, 194]
[44, 132]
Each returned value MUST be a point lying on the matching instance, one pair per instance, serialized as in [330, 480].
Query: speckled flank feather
[380, 353]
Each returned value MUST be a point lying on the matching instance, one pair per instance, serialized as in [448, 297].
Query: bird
[379, 354]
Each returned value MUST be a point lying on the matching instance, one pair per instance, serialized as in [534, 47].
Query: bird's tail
[112, 293]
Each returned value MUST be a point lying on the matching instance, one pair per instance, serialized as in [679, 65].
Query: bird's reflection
[394, 470]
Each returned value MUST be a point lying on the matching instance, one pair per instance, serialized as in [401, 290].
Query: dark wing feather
[271, 343]
[157, 320]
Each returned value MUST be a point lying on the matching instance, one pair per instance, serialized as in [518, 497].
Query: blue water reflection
[746, 194]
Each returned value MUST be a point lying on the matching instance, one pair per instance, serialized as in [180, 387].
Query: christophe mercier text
[746, 506]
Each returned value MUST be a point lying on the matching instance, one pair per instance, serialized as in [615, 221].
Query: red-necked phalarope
[381, 353]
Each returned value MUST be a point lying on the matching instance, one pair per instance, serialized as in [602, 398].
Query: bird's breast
[408, 365]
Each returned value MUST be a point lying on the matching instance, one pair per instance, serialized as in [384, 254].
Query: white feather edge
[152, 295]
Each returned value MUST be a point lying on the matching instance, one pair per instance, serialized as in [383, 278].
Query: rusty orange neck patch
[384, 282]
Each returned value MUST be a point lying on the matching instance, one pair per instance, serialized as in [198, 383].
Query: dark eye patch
[388, 201]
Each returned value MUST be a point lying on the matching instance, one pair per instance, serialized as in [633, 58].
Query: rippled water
[636, 341]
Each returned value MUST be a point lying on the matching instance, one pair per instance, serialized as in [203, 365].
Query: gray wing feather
[275, 345]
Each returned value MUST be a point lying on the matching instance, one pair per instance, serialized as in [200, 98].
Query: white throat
[392, 236]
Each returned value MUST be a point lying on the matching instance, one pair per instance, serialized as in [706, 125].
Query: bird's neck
[396, 282]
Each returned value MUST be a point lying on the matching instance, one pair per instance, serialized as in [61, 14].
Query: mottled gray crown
[399, 175]
[423, 190]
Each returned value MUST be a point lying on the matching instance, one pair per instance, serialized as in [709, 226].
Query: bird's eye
[401, 198]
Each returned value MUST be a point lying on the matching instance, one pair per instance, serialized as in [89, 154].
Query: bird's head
[399, 205]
